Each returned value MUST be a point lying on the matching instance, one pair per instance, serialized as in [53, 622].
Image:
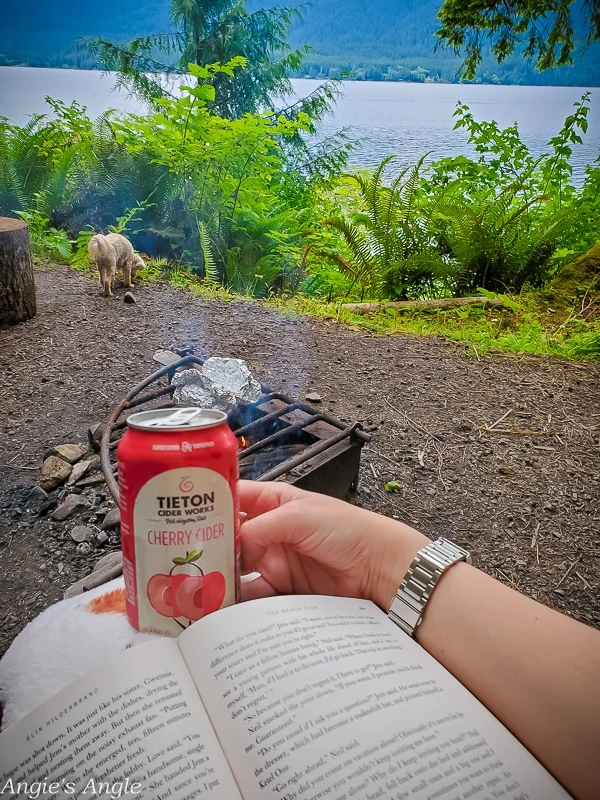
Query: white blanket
[66, 641]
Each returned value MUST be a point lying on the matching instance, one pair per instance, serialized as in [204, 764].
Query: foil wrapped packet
[220, 384]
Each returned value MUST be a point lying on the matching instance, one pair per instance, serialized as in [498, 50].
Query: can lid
[177, 419]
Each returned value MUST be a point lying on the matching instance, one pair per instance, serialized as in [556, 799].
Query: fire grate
[280, 439]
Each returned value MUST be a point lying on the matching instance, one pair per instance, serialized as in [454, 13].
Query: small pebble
[81, 533]
[313, 397]
[111, 520]
[71, 505]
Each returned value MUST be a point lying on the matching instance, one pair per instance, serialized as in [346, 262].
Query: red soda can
[178, 485]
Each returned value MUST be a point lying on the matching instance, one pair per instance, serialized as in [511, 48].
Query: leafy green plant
[503, 160]
[498, 242]
[391, 251]
[80, 258]
[586, 344]
[393, 486]
[124, 222]
[546, 29]
[210, 269]
[507, 218]
[35, 165]
[45, 240]
[57, 241]
[172, 178]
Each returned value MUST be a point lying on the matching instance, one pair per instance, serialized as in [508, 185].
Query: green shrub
[246, 183]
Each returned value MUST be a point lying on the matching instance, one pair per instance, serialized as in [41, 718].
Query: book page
[321, 697]
[134, 728]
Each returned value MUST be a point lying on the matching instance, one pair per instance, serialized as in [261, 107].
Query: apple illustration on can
[186, 591]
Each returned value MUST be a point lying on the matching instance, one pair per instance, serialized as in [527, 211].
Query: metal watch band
[419, 582]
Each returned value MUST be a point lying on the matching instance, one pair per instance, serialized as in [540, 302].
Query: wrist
[399, 544]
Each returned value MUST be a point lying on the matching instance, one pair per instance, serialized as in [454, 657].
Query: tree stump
[17, 287]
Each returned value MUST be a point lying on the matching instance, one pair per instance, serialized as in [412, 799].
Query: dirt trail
[526, 504]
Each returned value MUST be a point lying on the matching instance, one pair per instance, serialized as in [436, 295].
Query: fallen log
[17, 287]
[425, 305]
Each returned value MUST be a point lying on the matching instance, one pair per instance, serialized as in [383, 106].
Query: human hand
[305, 543]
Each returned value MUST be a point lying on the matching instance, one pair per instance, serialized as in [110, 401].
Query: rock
[559, 592]
[95, 436]
[112, 520]
[81, 533]
[38, 500]
[68, 452]
[165, 357]
[583, 271]
[70, 505]
[102, 538]
[91, 480]
[313, 397]
[95, 463]
[79, 470]
[521, 563]
[85, 548]
[506, 471]
[54, 472]
[110, 563]
[129, 298]
[110, 566]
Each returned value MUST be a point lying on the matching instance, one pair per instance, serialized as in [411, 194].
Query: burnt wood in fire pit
[280, 439]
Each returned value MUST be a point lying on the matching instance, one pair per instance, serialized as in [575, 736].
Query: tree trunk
[17, 287]
[425, 305]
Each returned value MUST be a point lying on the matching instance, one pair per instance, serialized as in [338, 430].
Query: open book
[293, 698]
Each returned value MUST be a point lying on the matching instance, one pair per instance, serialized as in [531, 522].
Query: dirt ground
[501, 454]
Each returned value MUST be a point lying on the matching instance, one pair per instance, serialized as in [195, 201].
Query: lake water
[404, 119]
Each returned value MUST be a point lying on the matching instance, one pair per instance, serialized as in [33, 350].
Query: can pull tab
[183, 416]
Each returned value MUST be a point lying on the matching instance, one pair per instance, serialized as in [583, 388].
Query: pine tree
[206, 32]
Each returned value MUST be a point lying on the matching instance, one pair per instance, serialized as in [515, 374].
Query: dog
[112, 252]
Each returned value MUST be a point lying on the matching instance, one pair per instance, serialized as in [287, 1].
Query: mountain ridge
[370, 39]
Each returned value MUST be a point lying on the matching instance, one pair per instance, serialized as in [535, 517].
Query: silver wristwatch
[427, 568]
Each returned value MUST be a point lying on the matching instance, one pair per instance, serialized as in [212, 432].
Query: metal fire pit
[280, 439]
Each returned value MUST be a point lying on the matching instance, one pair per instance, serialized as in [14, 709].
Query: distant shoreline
[350, 80]
[401, 118]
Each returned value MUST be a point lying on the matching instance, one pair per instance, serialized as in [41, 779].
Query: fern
[211, 273]
[500, 240]
[390, 252]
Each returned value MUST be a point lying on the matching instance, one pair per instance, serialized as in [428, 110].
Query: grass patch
[529, 326]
